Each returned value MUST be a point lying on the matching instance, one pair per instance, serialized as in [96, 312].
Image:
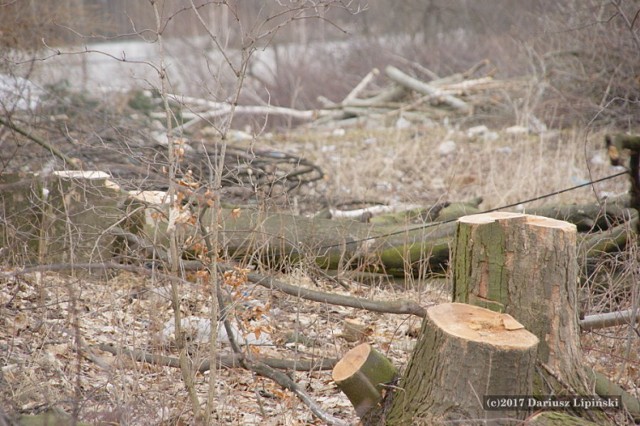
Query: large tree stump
[464, 353]
[526, 266]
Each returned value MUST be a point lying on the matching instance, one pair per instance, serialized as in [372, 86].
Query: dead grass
[407, 166]
[39, 359]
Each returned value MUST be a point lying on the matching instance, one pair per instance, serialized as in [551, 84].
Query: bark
[526, 266]
[610, 319]
[361, 374]
[463, 353]
[83, 216]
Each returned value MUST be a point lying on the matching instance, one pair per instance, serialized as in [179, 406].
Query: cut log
[279, 239]
[424, 88]
[604, 386]
[361, 374]
[464, 353]
[526, 266]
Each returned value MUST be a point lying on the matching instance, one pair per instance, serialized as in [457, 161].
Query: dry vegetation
[52, 324]
[130, 311]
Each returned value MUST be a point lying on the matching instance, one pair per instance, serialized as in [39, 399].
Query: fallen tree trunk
[395, 249]
[279, 239]
[394, 246]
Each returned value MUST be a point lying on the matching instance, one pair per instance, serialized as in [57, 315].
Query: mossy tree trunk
[526, 266]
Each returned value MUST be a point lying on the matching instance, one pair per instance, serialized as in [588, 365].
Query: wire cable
[530, 200]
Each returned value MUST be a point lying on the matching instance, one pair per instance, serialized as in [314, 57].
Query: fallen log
[426, 89]
[280, 239]
[396, 249]
[401, 244]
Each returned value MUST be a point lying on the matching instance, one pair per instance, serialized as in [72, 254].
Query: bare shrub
[589, 54]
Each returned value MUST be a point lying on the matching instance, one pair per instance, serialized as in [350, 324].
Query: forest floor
[44, 316]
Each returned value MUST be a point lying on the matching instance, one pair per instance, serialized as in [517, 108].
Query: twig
[70, 162]
[392, 307]
[286, 382]
[224, 361]
[185, 363]
[360, 86]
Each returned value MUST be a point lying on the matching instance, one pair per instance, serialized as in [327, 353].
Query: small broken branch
[360, 87]
[392, 307]
[610, 319]
[224, 361]
[285, 381]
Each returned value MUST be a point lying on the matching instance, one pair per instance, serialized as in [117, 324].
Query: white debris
[151, 197]
[17, 93]
[477, 131]
[504, 150]
[446, 147]
[197, 329]
[402, 123]
[160, 137]
[517, 130]
[598, 159]
[239, 136]
[78, 174]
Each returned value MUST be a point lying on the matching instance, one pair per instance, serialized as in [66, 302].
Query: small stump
[464, 353]
[361, 374]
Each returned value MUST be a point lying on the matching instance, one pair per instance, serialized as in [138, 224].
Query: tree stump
[464, 353]
[526, 266]
[361, 374]
[65, 217]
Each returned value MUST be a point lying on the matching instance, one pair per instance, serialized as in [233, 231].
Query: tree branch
[225, 361]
